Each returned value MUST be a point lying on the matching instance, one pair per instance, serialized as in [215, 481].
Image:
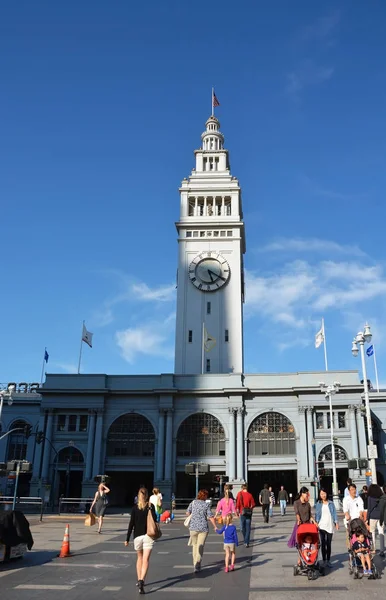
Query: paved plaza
[102, 567]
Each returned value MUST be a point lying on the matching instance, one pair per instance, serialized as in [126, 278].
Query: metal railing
[74, 505]
[23, 503]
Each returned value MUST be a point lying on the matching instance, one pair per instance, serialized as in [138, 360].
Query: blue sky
[102, 105]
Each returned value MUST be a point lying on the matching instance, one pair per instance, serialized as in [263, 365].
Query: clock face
[209, 271]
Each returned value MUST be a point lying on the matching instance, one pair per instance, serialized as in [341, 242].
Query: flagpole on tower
[80, 351]
[212, 113]
[375, 368]
[325, 346]
[45, 360]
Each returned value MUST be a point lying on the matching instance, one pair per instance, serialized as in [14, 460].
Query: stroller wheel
[322, 571]
[295, 571]
[356, 575]
[310, 575]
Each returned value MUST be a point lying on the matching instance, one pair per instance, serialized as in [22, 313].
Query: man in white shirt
[352, 504]
[346, 492]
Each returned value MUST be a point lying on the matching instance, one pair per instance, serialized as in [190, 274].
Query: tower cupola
[212, 138]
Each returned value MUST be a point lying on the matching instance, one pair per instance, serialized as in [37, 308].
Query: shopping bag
[292, 541]
[220, 520]
[187, 520]
[90, 520]
[153, 530]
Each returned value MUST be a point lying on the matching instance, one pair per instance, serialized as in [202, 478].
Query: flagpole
[212, 102]
[324, 345]
[80, 351]
[375, 368]
[202, 349]
[44, 357]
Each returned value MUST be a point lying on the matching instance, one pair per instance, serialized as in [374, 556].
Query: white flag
[87, 336]
[319, 338]
[209, 341]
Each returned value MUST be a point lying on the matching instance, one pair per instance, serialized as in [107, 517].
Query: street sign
[372, 451]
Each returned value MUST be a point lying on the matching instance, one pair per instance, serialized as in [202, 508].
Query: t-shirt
[326, 522]
[226, 508]
[265, 496]
[282, 495]
[200, 511]
[138, 521]
[354, 506]
[303, 509]
[364, 546]
[156, 501]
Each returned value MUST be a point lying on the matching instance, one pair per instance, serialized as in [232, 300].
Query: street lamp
[8, 393]
[361, 338]
[329, 391]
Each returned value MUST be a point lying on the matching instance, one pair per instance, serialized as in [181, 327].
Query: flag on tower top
[319, 337]
[215, 102]
[87, 336]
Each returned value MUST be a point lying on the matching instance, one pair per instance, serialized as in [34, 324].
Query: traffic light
[27, 431]
[190, 469]
[363, 463]
[39, 437]
[352, 463]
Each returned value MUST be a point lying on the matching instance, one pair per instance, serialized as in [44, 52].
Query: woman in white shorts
[143, 544]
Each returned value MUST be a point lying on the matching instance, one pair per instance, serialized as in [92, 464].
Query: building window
[271, 434]
[215, 233]
[208, 365]
[329, 419]
[70, 455]
[17, 444]
[83, 420]
[131, 435]
[222, 233]
[341, 420]
[226, 336]
[190, 336]
[195, 233]
[208, 308]
[319, 420]
[201, 434]
[72, 423]
[229, 233]
[202, 233]
[325, 455]
[188, 234]
[61, 426]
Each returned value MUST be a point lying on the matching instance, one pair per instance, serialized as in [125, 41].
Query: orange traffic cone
[65, 550]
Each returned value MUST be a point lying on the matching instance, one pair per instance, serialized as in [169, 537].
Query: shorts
[143, 542]
[231, 547]
[374, 525]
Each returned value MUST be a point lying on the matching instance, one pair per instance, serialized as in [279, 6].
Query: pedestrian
[374, 496]
[283, 499]
[226, 505]
[143, 544]
[156, 501]
[244, 508]
[363, 495]
[352, 505]
[229, 488]
[100, 502]
[326, 518]
[346, 489]
[200, 513]
[302, 509]
[265, 501]
[230, 542]
[271, 501]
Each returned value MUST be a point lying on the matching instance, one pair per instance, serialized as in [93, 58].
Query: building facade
[142, 429]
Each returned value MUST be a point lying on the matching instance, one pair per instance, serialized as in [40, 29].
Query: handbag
[292, 541]
[153, 530]
[187, 520]
[220, 520]
[247, 512]
[90, 520]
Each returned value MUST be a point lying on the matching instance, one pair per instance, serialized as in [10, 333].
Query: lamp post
[6, 394]
[361, 338]
[329, 391]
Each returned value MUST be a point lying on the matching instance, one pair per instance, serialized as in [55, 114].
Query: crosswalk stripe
[31, 586]
[112, 588]
[181, 590]
[84, 565]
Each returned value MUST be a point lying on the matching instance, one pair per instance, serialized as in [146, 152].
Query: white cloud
[311, 245]
[306, 74]
[322, 29]
[163, 293]
[149, 339]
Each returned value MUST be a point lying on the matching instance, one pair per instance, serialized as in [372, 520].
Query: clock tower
[210, 278]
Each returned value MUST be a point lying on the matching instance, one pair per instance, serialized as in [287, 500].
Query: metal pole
[368, 413]
[1, 405]
[16, 484]
[335, 494]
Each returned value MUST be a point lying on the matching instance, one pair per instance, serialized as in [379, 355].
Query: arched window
[271, 433]
[326, 454]
[201, 434]
[70, 454]
[17, 444]
[131, 435]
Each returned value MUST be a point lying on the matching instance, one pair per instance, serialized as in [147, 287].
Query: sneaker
[365, 572]
[226, 569]
[369, 572]
[232, 568]
[329, 564]
[247, 545]
[197, 567]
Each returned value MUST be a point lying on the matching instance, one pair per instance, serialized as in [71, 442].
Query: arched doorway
[130, 453]
[325, 467]
[271, 436]
[69, 464]
[200, 436]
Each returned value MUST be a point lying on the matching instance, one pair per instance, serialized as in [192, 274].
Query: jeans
[246, 528]
[271, 510]
[266, 512]
[283, 506]
[325, 543]
[197, 539]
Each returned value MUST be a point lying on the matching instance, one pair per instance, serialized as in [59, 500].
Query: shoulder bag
[247, 512]
[187, 520]
[153, 529]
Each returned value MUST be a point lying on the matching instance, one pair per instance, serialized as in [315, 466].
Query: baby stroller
[309, 557]
[354, 564]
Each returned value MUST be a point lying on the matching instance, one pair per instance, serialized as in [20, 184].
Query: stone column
[353, 432]
[310, 435]
[301, 444]
[169, 444]
[98, 444]
[240, 443]
[47, 446]
[90, 444]
[232, 445]
[161, 445]
[361, 434]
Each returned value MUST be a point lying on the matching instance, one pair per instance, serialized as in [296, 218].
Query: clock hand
[210, 275]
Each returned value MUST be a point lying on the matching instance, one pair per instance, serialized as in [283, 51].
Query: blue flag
[370, 350]
[46, 356]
